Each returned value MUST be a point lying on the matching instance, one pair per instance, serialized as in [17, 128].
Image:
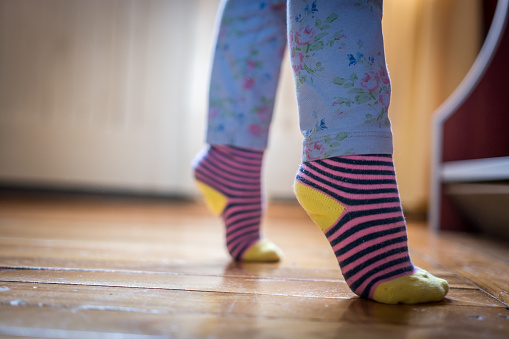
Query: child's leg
[245, 73]
[343, 92]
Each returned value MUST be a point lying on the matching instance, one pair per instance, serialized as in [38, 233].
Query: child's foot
[230, 180]
[355, 201]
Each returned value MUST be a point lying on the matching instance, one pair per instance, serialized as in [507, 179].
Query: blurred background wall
[110, 95]
[430, 46]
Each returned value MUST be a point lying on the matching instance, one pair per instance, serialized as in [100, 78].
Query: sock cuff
[237, 155]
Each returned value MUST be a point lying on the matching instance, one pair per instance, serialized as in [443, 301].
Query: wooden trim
[453, 103]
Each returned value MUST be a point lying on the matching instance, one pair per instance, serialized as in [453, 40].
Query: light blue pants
[338, 61]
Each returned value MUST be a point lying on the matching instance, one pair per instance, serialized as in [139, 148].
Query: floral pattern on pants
[337, 56]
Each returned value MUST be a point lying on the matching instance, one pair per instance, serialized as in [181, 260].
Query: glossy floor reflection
[103, 267]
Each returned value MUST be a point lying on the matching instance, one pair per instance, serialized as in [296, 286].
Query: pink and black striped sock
[355, 201]
[230, 180]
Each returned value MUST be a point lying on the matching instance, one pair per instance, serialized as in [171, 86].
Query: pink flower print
[248, 83]
[340, 37]
[336, 103]
[384, 99]
[264, 113]
[250, 65]
[315, 151]
[255, 129]
[290, 40]
[384, 76]
[370, 81]
[213, 112]
[304, 36]
[297, 66]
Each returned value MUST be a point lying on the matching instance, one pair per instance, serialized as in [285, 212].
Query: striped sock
[230, 180]
[355, 201]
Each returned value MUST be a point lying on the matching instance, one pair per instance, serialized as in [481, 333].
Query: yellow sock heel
[263, 250]
[420, 287]
[322, 209]
[215, 200]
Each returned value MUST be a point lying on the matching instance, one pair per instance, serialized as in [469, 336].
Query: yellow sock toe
[263, 251]
[420, 287]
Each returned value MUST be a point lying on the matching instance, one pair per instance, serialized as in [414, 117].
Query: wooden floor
[109, 268]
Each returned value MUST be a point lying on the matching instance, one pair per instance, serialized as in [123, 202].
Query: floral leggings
[338, 61]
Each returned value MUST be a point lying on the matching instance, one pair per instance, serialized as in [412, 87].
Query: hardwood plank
[230, 284]
[23, 253]
[490, 275]
[190, 235]
[256, 286]
[312, 257]
[488, 272]
[359, 320]
[492, 247]
[224, 268]
[205, 268]
[184, 228]
[153, 269]
[76, 240]
[149, 300]
[175, 228]
[312, 250]
[125, 209]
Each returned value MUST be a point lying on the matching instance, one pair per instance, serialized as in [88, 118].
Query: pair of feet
[353, 199]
